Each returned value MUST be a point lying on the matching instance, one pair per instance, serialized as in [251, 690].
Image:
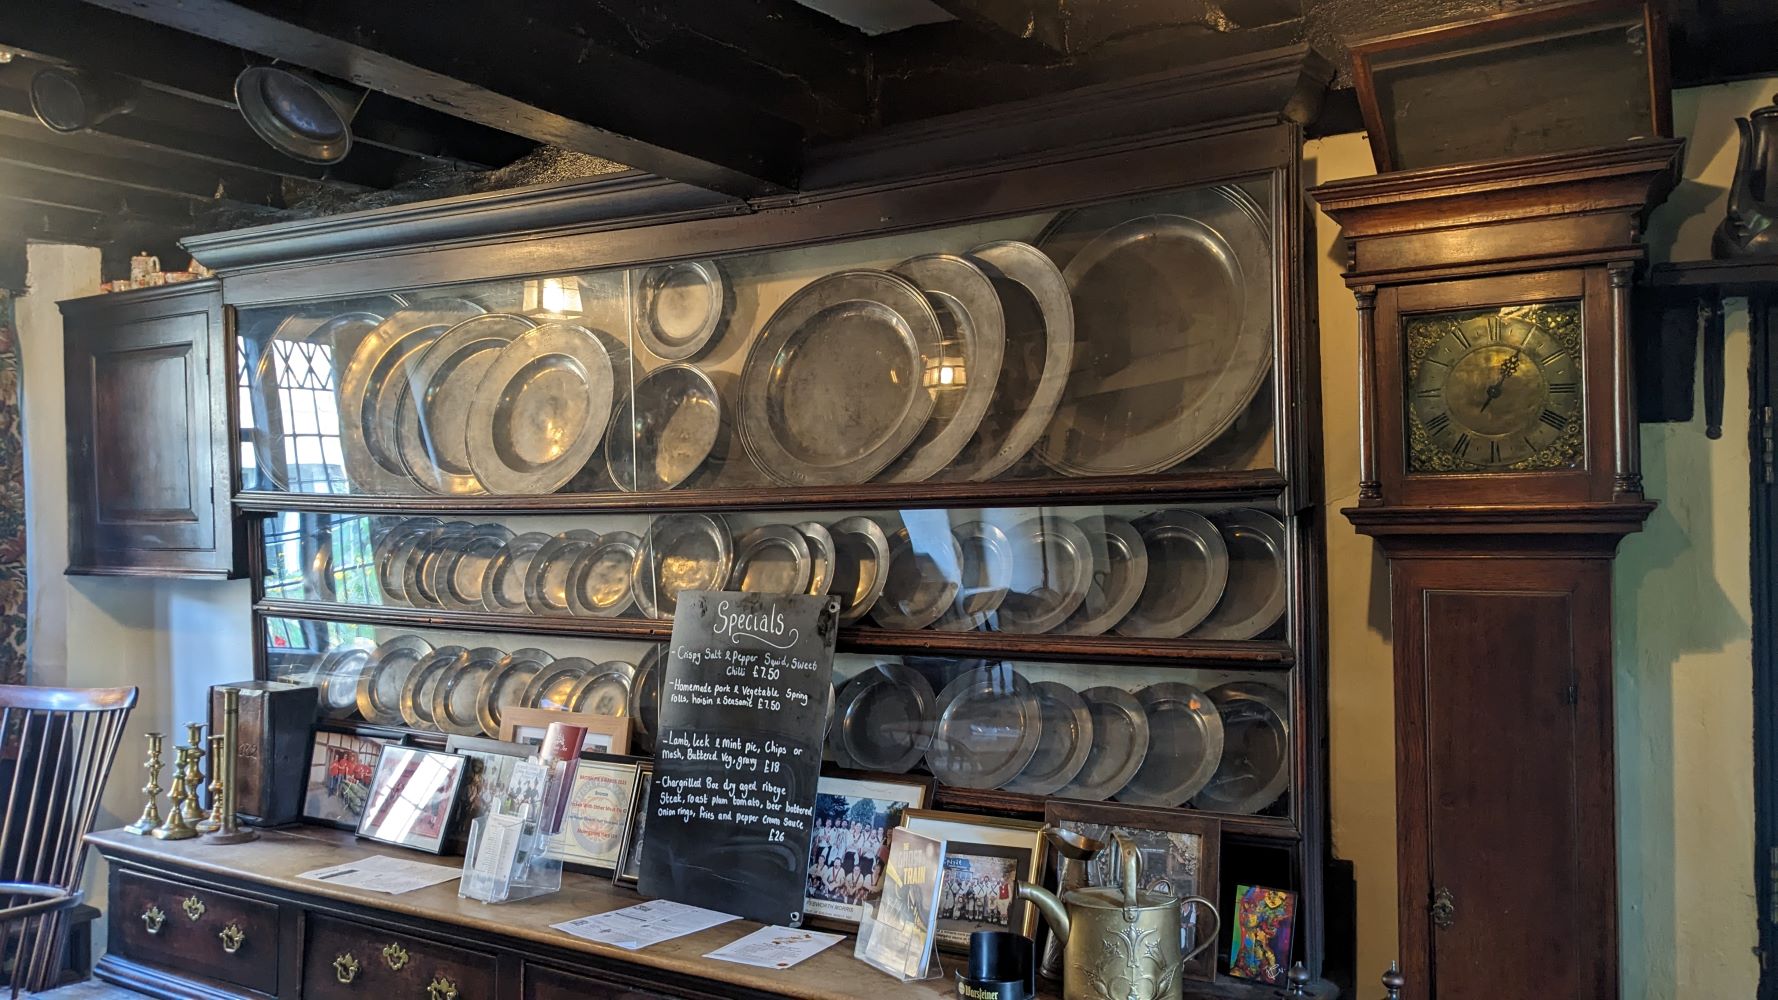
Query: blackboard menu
[743, 717]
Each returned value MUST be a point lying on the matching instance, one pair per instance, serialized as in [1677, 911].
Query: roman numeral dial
[1495, 390]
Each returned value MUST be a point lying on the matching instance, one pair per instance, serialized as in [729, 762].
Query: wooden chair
[59, 745]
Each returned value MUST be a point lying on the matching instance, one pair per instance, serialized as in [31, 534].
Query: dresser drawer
[545, 983]
[197, 932]
[346, 960]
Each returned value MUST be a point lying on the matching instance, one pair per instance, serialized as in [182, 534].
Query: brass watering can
[1120, 942]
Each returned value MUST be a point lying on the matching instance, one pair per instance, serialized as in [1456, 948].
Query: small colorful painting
[1264, 919]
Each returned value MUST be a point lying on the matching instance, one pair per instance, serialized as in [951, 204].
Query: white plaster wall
[170, 638]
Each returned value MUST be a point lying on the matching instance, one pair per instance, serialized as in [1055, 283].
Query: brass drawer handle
[232, 938]
[345, 968]
[441, 989]
[194, 908]
[396, 956]
[153, 918]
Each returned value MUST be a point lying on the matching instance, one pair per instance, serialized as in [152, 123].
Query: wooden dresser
[199, 922]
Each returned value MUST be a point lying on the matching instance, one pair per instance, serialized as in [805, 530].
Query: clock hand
[1507, 367]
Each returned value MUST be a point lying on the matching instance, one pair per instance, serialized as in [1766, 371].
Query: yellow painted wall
[1684, 658]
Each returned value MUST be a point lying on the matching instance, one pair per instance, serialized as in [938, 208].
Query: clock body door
[1508, 883]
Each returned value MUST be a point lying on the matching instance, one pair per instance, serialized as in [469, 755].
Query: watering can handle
[1130, 864]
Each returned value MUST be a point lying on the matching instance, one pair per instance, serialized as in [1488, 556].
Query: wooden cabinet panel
[544, 983]
[346, 960]
[148, 453]
[217, 935]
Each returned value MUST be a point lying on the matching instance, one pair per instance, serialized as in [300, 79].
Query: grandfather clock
[1499, 470]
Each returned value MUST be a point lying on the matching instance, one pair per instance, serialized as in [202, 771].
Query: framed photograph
[850, 844]
[629, 860]
[1179, 852]
[604, 734]
[491, 764]
[598, 816]
[1264, 921]
[985, 858]
[413, 797]
[341, 766]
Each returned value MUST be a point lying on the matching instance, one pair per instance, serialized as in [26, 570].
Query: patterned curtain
[12, 505]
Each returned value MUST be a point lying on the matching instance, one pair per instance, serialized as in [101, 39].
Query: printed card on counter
[639, 926]
[380, 873]
[775, 947]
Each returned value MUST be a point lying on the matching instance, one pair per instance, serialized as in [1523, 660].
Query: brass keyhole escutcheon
[345, 968]
[194, 908]
[232, 938]
[396, 956]
[441, 989]
[1444, 909]
[153, 918]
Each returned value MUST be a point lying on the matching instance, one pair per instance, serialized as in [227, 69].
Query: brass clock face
[1496, 390]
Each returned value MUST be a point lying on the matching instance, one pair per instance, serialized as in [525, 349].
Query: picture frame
[854, 813]
[604, 733]
[596, 821]
[1265, 926]
[629, 861]
[490, 767]
[1180, 852]
[413, 798]
[342, 763]
[984, 857]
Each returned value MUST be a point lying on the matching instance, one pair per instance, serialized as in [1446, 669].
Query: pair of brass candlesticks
[185, 816]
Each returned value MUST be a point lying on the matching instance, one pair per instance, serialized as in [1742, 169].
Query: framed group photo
[849, 847]
[985, 859]
[342, 765]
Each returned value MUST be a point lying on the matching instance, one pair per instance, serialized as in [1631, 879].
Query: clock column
[1500, 535]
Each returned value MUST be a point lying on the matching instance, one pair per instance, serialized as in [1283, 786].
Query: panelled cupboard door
[147, 382]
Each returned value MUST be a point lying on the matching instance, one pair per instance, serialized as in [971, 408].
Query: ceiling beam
[102, 198]
[543, 81]
[45, 222]
[76, 155]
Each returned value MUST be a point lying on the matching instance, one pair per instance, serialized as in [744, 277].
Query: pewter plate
[680, 308]
[972, 341]
[1052, 570]
[1188, 566]
[605, 690]
[987, 727]
[832, 390]
[503, 582]
[456, 697]
[1255, 766]
[432, 429]
[880, 719]
[339, 675]
[546, 579]
[1184, 746]
[1120, 569]
[681, 552]
[821, 555]
[367, 430]
[1120, 744]
[771, 559]
[600, 584]
[419, 574]
[392, 553]
[986, 574]
[1174, 328]
[291, 360]
[1255, 596]
[540, 410]
[381, 683]
[665, 430]
[925, 572]
[416, 691]
[1034, 364]
[554, 683]
[504, 686]
[318, 569]
[458, 572]
[645, 698]
[860, 566]
[1066, 743]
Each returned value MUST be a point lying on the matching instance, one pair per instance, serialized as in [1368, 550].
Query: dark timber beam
[100, 197]
[78, 155]
[539, 79]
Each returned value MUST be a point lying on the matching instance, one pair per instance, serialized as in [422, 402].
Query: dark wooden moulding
[1236, 119]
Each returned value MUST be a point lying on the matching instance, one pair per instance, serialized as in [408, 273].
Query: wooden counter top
[278, 856]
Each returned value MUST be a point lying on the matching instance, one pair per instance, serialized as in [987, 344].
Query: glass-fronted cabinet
[1047, 455]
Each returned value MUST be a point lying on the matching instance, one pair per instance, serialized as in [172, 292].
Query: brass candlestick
[175, 827]
[228, 832]
[194, 773]
[214, 821]
[151, 812]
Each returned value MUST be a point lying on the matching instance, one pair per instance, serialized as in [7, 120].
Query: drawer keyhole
[194, 908]
[396, 956]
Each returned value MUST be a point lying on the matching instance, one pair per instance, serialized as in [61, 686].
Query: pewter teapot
[1120, 942]
[1751, 227]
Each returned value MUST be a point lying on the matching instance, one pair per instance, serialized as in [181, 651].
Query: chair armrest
[45, 899]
